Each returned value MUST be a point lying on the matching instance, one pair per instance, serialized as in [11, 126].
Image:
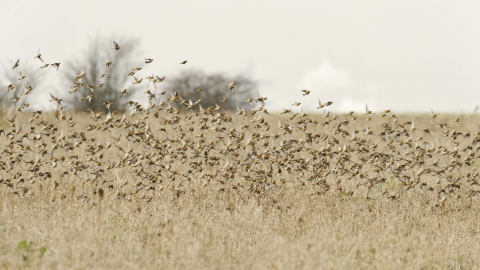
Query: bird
[89, 98]
[108, 104]
[305, 92]
[101, 75]
[137, 81]
[320, 104]
[148, 60]
[367, 111]
[21, 76]
[116, 46]
[44, 66]
[124, 91]
[183, 63]
[231, 86]
[296, 104]
[198, 90]
[108, 64]
[57, 65]
[10, 87]
[16, 64]
[39, 55]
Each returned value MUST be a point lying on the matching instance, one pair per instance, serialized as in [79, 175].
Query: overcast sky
[400, 55]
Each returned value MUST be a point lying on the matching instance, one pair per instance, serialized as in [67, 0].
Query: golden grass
[227, 217]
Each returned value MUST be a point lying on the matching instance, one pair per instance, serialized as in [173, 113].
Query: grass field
[277, 194]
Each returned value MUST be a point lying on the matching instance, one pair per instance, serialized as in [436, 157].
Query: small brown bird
[21, 76]
[89, 98]
[116, 46]
[101, 76]
[44, 66]
[57, 65]
[198, 90]
[148, 60]
[108, 64]
[10, 87]
[16, 64]
[39, 55]
[124, 91]
[305, 92]
[223, 99]
[108, 104]
[296, 104]
[231, 86]
[183, 63]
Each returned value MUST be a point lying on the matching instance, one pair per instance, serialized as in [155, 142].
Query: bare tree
[18, 79]
[214, 87]
[102, 57]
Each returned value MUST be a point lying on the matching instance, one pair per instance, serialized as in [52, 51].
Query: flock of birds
[177, 141]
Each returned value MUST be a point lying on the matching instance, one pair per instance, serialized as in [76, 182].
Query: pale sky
[408, 56]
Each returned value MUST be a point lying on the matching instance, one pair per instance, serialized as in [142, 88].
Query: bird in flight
[57, 65]
[16, 64]
[39, 55]
[116, 46]
[183, 63]
[231, 86]
[148, 60]
[306, 92]
[108, 64]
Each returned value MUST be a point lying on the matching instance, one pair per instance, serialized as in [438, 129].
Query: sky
[407, 56]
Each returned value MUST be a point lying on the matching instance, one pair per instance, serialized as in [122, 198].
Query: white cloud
[325, 79]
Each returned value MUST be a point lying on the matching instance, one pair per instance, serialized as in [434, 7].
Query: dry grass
[123, 219]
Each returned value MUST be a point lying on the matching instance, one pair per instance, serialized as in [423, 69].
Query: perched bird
[108, 64]
[183, 63]
[148, 60]
[305, 92]
[116, 46]
[16, 64]
[39, 55]
[231, 86]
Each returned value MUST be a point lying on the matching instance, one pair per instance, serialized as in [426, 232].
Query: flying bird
[16, 64]
[116, 46]
[306, 92]
[231, 86]
[183, 63]
[39, 55]
[57, 65]
[148, 60]
[108, 64]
